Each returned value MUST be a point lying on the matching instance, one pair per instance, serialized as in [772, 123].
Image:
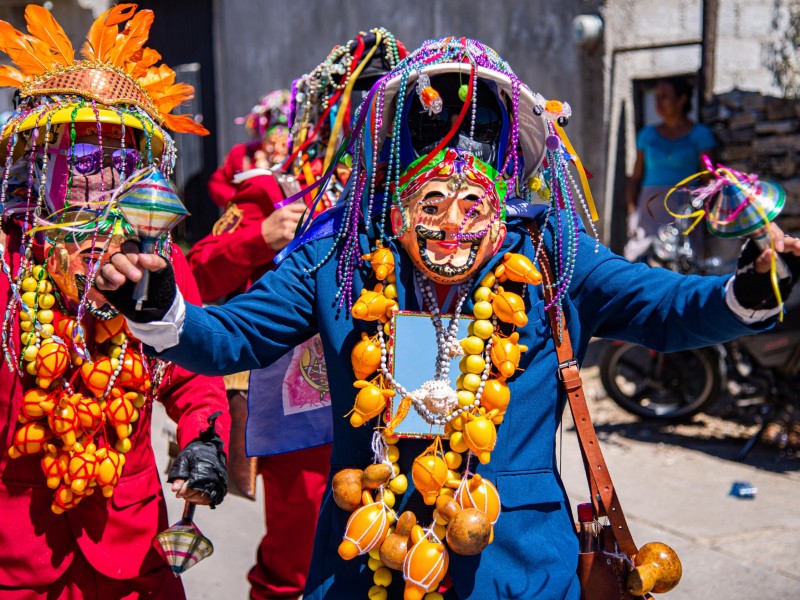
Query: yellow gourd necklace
[467, 506]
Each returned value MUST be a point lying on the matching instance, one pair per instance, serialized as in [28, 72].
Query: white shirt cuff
[250, 173]
[748, 316]
[164, 334]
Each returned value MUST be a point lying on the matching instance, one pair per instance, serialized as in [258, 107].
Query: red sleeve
[190, 399]
[220, 185]
[235, 253]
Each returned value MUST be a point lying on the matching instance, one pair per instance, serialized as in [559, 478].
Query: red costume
[236, 254]
[220, 185]
[225, 262]
[103, 547]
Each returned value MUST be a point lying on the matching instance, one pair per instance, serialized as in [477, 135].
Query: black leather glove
[754, 290]
[202, 464]
[160, 296]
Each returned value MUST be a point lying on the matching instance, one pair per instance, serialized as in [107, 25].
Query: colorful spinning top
[743, 206]
[183, 545]
[150, 205]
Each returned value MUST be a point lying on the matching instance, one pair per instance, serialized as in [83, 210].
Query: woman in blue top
[666, 154]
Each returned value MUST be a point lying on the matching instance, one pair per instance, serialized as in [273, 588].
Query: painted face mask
[73, 253]
[450, 223]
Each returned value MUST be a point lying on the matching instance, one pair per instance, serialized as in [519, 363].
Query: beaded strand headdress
[534, 167]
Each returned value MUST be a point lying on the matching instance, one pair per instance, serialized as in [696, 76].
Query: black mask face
[428, 130]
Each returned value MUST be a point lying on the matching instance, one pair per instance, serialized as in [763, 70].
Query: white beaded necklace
[436, 401]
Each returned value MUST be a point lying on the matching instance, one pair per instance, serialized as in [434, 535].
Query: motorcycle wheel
[663, 386]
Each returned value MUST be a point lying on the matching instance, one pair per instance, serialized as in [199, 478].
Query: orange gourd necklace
[77, 413]
[466, 505]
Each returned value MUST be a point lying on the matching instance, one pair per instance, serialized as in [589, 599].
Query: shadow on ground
[716, 436]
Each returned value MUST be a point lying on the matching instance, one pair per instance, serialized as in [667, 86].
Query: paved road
[673, 485]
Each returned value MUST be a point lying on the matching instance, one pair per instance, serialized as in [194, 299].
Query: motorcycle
[756, 375]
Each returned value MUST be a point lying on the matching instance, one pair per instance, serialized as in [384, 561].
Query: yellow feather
[43, 25]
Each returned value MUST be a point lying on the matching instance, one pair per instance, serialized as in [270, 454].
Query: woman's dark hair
[682, 87]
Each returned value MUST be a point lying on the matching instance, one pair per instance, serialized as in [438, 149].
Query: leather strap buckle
[566, 365]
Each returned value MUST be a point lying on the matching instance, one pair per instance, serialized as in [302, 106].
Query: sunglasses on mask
[89, 159]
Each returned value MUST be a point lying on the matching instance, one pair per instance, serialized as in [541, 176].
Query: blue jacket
[534, 553]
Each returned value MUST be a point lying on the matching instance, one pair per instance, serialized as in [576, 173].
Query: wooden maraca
[657, 569]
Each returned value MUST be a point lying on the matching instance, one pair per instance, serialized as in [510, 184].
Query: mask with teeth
[449, 221]
[74, 252]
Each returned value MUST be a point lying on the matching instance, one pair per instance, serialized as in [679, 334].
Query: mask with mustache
[449, 219]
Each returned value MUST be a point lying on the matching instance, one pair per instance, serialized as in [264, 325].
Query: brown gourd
[468, 529]
[395, 547]
[657, 569]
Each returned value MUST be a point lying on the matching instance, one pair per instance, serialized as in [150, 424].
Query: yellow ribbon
[698, 215]
[587, 192]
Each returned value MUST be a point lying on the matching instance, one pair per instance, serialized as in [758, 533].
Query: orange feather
[11, 77]
[142, 59]
[102, 36]
[43, 25]
[173, 96]
[157, 78]
[133, 37]
[184, 124]
[31, 55]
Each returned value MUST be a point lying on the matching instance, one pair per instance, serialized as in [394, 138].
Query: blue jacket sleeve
[654, 307]
[254, 329]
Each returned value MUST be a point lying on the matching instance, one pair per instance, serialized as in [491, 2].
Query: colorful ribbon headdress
[533, 163]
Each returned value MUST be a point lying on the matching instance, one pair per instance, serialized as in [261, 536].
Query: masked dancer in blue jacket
[460, 188]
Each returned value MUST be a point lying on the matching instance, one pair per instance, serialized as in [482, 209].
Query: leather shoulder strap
[604, 497]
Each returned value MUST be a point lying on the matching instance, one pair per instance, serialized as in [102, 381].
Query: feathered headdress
[117, 68]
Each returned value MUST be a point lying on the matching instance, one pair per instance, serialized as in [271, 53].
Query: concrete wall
[262, 46]
[646, 39]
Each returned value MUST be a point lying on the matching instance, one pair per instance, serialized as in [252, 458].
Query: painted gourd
[82, 467]
[32, 408]
[55, 464]
[29, 439]
[481, 494]
[425, 565]
[382, 262]
[132, 374]
[105, 330]
[429, 474]
[496, 396]
[52, 361]
[370, 402]
[519, 268]
[108, 469]
[506, 353]
[509, 307]
[373, 306]
[366, 529]
[480, 435]
[90, 414]
[64, 499]
[64, 421]
[97, 375]
[365, 357]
